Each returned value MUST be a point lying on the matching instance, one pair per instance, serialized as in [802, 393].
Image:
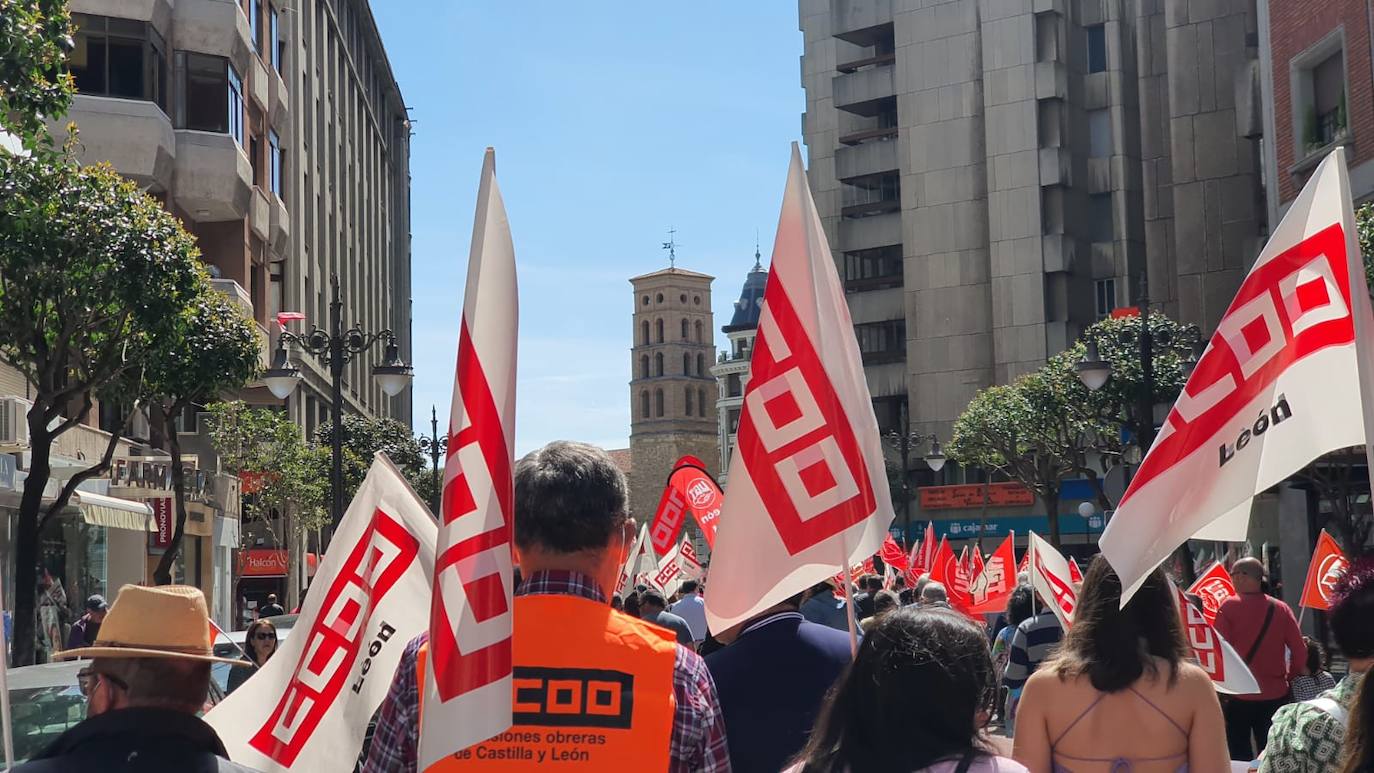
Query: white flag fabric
[808, 489]
[1050, 577]
[631, 567]
[1217, 657]
[468, 687]
[308, 707]
[1279, 384]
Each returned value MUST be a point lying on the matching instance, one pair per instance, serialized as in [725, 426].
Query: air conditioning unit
[14, 422]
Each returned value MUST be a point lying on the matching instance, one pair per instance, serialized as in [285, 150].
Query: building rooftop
[621, 457]
[673, 272]
[750, 303]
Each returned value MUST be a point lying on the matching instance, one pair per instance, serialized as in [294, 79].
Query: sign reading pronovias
[966, 497]
[309, 706]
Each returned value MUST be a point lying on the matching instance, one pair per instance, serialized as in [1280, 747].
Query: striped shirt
[1034, 640]
[698, 740]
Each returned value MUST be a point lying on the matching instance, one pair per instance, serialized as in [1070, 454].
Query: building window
[1105, 292]
[686, 364]
[211, 95]
[873, 269]
[255, 23]
[732, 420]
[235, 105]
[1325, 120]
[687, 395]
[658, 363]
[1100, 225]
[1097, 47]
[684, 330]
[644, 404]
[644, 366]
[276, 160]
[644, 331]
[733, 387]
[888, 412]
[658, 330]
[699, 332]
[254, 153]
[882, 341]
[701, 365]
[1099, 133]
[659, 298]
[119, 58]
[701, 403]
[874, 195]
[658, 403]
[278, 45]
[645, 300]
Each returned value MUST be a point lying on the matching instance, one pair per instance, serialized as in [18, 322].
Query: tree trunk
[162, 575]
[26, 544]
[1051, 501]
[294, 537]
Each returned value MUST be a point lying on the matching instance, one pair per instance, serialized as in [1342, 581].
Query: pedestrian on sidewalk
[916, 698]
[271, 608]
[1122, 691]
[148, 680]
[86, 630]
[260, 643]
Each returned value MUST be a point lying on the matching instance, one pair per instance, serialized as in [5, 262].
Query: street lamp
[904, 440]
[435, 446]
[337, 346]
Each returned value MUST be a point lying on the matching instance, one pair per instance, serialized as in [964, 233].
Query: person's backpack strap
[966, 762]
[1330, 707]
[1254, 648]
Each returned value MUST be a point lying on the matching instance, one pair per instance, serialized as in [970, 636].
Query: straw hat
[168, 621]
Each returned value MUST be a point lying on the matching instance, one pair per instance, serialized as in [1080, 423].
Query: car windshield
[41, 714]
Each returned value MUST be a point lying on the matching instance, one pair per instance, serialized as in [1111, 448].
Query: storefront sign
[967, 528]
[965, 497]
[265, 562]
[163, 519]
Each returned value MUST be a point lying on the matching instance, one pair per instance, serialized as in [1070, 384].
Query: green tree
[93, 273]
[213, 348]
[363, 437]
[1364, 228]
[35, 36]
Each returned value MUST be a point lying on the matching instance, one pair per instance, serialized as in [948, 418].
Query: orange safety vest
[593, 691]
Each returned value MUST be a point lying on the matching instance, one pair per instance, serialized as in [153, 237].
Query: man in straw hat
[148, 678]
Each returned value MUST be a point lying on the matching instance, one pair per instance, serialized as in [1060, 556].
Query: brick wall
[1294, 26]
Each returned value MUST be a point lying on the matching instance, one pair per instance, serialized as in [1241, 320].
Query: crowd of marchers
[927, 689]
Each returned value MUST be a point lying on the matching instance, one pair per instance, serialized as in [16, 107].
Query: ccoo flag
[468, 689]
[1280, 384]
[808, 486]
[1327, 567]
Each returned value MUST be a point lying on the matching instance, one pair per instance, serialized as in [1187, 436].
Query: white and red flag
[1213, 587]
[1050, 578]
[309, 706]
[631, 567]
[1327, 567]
[1075, 574]
[892, 554]
[468, 689]
[808, 485]
[929, 544]
[976, 564]
[1285, 378]
[991, 588]
[690, 488]
[951, 571]
[1216, 656]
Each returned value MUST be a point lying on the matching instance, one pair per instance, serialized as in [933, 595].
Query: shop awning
[114, 513]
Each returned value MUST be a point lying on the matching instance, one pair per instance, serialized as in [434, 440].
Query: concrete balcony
[216, 27]
[863, 91]
[279, 234]
[236, 294]
[868, 158]
[260, 214]
[854, 20]
[1057, 251]
[870, 232]
[135, 136]
[1051, 80]
[213, 179]
[259, 82]
[159, 12]
[1056, 167]
[278, 102]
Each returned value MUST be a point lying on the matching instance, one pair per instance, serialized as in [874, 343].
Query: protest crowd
[535, 622]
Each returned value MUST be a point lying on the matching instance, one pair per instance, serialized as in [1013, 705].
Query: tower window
[644, 331]
[686, 364]
[682, 298]
[688, 397]
[645, 301]
[658, 364]
[701, 365]
[698, 332]
[684, 330]
[658, 330]
[701, 403]
[659, 298]
[658, 403]
[644, 404]
[644, 366]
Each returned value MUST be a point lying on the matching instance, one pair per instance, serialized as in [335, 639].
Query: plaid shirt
[698, 741]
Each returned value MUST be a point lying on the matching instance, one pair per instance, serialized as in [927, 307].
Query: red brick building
[1318, 82]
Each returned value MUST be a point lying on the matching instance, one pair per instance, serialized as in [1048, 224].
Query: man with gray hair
[934, 595]
[649, 702]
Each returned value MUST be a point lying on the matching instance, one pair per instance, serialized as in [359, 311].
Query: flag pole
[1302, 610]
[849, 600]
[5, 719]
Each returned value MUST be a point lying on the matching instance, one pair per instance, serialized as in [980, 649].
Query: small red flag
[1327, 567]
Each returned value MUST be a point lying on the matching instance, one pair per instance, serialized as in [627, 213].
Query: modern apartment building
[994, 176]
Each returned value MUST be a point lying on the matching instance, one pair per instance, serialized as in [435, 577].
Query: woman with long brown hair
[1121, 694]
[259, 643]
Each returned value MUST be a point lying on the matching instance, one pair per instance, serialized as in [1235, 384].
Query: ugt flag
[1284, 379]
[808, 488]
[308, 707]
[690, 488]
[1326, 568]
[468, 689]
[1214, 586]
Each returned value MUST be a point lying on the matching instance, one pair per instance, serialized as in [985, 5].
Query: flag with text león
[1285, 378]
[808, 484]
[1326, 568]
[468, 688]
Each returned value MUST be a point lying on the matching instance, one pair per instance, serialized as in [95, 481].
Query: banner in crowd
[892, 554]
[1214, 654]
[1049, 573]
[1327, 566]
[1285, 378]
[808, 481]
[992, 587]
[1213, 587]
[976, 563]
[631, 567]
[689, 489]
[949, 571]
[309, 706]
[467, 689]
[928, 547]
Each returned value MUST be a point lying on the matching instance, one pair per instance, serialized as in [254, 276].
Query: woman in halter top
[1122, 694]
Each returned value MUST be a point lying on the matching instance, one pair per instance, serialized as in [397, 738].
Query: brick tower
[672, 391]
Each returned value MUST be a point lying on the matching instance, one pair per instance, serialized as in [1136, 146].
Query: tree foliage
[280, 471]
[93, 273]
[35, 36]
[363, 437]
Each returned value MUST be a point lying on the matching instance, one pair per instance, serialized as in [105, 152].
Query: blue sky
[612, 122]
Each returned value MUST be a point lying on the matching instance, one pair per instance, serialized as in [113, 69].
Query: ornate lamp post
[436, 446]
[904, 440]
[338, 347]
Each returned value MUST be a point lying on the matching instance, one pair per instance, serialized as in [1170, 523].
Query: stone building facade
[995, 175]
[672, 392]
[732, 369]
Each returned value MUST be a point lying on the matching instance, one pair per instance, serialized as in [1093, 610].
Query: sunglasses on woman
[265, 636]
